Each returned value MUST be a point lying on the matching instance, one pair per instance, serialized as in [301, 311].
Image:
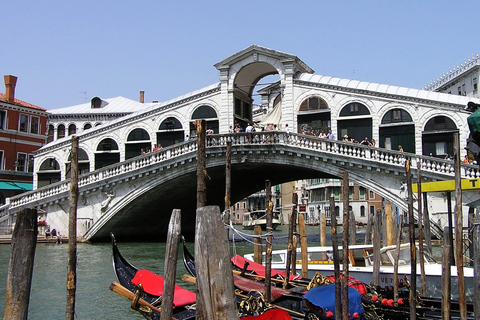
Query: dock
[7, 239]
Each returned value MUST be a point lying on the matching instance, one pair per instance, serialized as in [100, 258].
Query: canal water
[94, 300]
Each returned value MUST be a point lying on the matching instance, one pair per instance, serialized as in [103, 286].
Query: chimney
[142, 96]
[10, 82]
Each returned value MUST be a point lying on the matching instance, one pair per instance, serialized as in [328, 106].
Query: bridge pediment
[253, 53]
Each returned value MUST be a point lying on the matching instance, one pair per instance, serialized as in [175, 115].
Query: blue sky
[66, 52]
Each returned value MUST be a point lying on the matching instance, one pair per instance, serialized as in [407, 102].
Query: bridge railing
[90, 178]
[348, 149]
[354, 150]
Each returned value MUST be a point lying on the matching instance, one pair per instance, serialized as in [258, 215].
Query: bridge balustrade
[130, 166]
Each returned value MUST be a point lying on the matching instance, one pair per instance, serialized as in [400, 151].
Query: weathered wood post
[228, 184]
[20, 269]
[426, 223]
[303, 245]
[171, 257]
[446, 275]
[201, 187]
[459, 228]
[214, 269]
[288, 264]
[413, 251]
[421, 254]
[336, 258]
[268, 253]
[72, 233]
[395, 266]
[389, 223]
[346, 255]
[368, 230]
[294, 237]
[352, 224]
[377, 230]
[257, 244]
[201, 164]
[476, 260]
[323, 233]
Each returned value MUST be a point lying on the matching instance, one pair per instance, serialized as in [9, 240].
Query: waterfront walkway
[7, 239]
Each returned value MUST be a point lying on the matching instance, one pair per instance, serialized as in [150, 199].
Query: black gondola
[125, 273]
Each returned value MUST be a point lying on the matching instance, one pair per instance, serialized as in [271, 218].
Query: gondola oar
[121, 290]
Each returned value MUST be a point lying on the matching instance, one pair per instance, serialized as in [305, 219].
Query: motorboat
[259, 218]
[361, 261]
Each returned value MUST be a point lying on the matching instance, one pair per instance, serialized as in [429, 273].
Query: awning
[19, 186]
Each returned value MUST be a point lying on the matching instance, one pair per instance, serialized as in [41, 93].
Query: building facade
[22, 132]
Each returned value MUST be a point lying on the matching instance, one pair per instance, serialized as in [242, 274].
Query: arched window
[72, 129]
[138, 140]
[396, 116]
[48, 173]
[60, 131]
[107, 153]
[354, 109]
[170, 132]
[314, 116]
[313, 103]
[207, 113]
[83, 163]
[87, 126]
[437, 137]
[51, 133]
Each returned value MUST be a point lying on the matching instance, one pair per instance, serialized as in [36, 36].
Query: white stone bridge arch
[134, 198]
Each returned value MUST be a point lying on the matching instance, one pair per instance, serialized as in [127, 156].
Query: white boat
[320, 259]
[259, 218]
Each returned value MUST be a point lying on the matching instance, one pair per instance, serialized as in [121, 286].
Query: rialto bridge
[135, 198]
[133, 194]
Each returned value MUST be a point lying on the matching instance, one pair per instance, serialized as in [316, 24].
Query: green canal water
[95, 273]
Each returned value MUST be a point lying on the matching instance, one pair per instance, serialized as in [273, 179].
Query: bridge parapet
[439, 169]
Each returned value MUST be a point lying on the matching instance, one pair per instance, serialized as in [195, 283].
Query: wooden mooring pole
[336, 258]
[288, 264]
[377, 242]
[294, 236]
[446, 274]
[214, 269]
[459, 228]
[170, 270]
[72, 233]
[257, 244]
[413, 251]
[20, 269]
[421, 254]
[476, 261]
[201, 164]
[228, 185]
[268, 252]
[303, 245]
[346, 255]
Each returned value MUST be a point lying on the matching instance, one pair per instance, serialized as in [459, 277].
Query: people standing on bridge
[322, 134]
[365, 142]
[249, 129]
[209, 131]
[330, 135]
[372, 143]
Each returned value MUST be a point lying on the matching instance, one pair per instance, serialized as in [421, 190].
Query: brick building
[22, 131]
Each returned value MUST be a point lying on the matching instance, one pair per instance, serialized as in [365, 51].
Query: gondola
[127, 275]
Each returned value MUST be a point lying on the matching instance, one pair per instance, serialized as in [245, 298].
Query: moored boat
[258, 218]
[320, 259]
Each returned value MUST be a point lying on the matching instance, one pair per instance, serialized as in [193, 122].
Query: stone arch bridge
[134, 198]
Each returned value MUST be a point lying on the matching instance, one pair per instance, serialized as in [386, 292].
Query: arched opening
[83, 163]
[51, 133]
[87, 126]
[437, 137]
[72, 129]
[60, 131]
[355, 122]
[397, 128]
[137, 140]
[314, 116]
[48, 173]
[206, 113]
[107, 153]
[254, 91]
[170, 132]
